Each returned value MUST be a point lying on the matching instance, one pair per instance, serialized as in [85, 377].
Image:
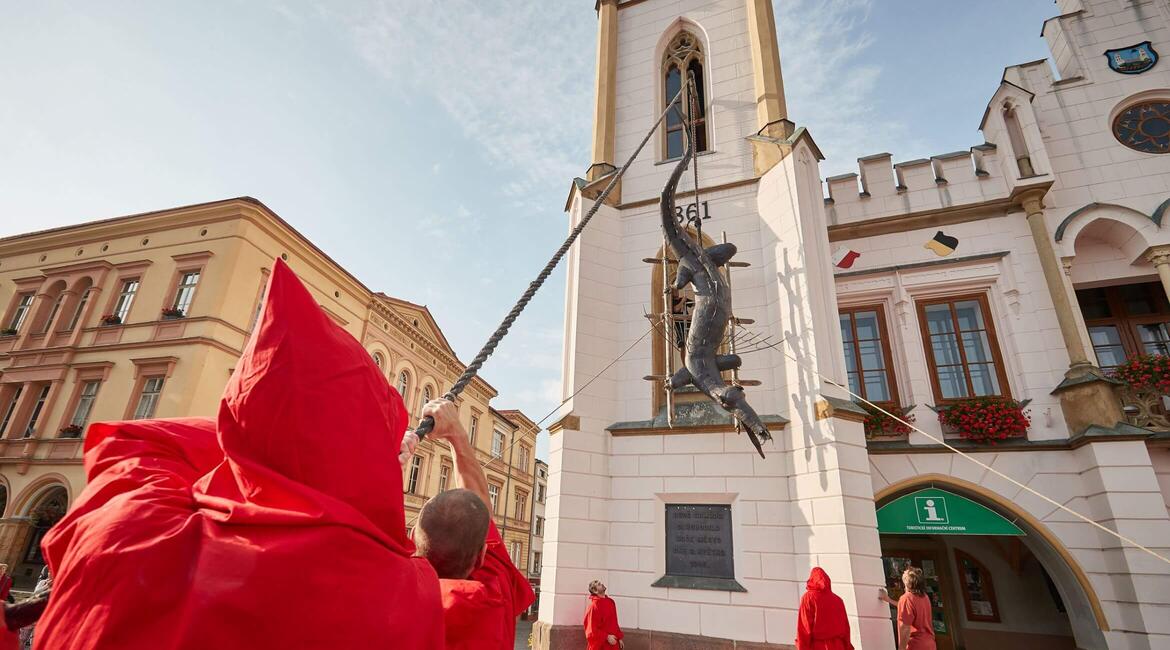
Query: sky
[425, 145]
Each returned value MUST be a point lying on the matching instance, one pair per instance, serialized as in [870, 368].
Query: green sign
[937, 512]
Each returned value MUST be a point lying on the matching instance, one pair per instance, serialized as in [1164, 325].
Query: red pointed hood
[308, 417]
[818, 579]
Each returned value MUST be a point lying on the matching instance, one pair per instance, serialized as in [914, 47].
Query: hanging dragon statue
[699, 267]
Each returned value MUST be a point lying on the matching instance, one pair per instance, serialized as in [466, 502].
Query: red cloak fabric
[600, 621]
[282, 527]
[822, 623]
[479, 613]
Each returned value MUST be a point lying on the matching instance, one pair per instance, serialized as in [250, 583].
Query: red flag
[279, 526]
[845, 257]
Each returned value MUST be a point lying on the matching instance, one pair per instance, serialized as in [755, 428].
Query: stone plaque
[698, 541]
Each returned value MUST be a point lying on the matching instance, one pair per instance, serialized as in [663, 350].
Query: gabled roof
[515, 416]
[427, 324]
[1002, 85]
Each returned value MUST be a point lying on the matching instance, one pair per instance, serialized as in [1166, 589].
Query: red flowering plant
[1148, 373]
[172, 312]
[111, 319]
[878, 423]
[986, 419]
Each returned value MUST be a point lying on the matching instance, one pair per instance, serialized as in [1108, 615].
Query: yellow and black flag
[942, 244]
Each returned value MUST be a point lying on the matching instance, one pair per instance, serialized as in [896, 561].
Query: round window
[1145, 127]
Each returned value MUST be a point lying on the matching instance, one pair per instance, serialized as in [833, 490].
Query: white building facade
[1022, 271]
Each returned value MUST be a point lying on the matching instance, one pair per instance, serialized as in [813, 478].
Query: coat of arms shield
[1134, 59]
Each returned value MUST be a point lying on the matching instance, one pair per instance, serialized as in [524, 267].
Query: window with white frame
[524, 453]
[185, 292]
[125, 299]
[521, 511]
[497, 444]
[57, 302]
[444, 476]
[415, 472]
[38, 408]
[148, 399]
[514, 553]
[11, 409]
[403, 383]
[538, 526]
[540, 488]
[535, 568]
[79, 312]
[494, 496]
[22, 308]
[85, 404]
[259, 305]
[471, 431]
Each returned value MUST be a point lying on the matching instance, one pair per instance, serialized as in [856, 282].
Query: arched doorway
[997, 577]
[44, 511]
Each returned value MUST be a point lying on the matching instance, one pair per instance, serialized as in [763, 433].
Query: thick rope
[428, 422]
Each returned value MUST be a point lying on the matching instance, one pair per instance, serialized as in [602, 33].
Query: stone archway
[40, 513]
[1086, 617]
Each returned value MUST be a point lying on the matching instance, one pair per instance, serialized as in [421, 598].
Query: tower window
[683, 57]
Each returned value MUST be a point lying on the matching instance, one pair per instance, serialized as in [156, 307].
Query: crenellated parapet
[882, 188]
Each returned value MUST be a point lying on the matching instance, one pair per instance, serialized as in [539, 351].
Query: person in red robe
[483, 592]
[821, 623]
[601, 622]
[278, 525]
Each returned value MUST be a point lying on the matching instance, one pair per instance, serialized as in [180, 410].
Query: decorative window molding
[683, 55]
[962, 349]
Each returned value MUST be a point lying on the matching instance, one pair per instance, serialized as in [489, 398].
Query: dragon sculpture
[699, 267]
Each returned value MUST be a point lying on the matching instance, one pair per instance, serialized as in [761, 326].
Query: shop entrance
[994, 579]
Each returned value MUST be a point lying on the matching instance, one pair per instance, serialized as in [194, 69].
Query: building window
[415, 471]
[540, 492]
[22, 307]
[524, 453]
[541, 472]
[515, 553]
[1126, 321]
[403, 384]
[444, 476]
[538, 527]
[185, 292]
[962, 352]
[148, 400]
[471, 432]
[1144, 127]
[11, 409]
[85, 403]
[125, 299]
[521, 511]
[79, 312]
[260, 305]
[494, 496]
[378, 360]
[427, 396]
[38, 407]
[535, 568]
[497, 444]
[683, 56]
[53, 312]
[868, 360]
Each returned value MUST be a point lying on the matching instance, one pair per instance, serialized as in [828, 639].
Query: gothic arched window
[684, 58]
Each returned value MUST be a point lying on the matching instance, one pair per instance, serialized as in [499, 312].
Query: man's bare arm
[469, 473]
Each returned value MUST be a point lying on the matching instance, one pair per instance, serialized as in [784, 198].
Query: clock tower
[700, 541]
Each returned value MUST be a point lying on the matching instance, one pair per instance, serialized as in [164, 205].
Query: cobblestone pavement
[523, 629]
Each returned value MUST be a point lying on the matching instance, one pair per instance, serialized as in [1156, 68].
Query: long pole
[428, 423]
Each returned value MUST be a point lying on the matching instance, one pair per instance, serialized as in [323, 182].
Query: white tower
[701, 542]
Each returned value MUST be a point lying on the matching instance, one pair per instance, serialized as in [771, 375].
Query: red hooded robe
[479, 613]
[822, 623]
[601, 621]
[283, 527]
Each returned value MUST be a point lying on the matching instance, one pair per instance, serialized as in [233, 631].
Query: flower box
[1145, 383]
[171, 313]
[880, 425]
[111, 319]
[70, 431]
[986, 419]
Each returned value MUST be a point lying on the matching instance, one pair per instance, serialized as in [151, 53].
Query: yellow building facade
[145, 315]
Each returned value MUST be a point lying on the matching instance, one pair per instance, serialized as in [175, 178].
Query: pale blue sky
[428, 146]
